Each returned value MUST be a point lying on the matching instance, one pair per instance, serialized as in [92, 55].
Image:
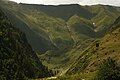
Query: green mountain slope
[87, 65]
[80, 25]
[104, 15]
[49, 29]
[19, 20]
[47, 25]
[62, 32]
[61, 11]
[40, 28]
[17, 59]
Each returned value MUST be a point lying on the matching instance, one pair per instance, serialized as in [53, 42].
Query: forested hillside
[17, 59]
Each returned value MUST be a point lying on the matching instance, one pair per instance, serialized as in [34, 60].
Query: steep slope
[46, 24]
[50, 30]
[80, 26]
[61, 11]
[17, 59]
[20, 21]
[61, 32]
[103, 15]
[53, 29]
[87, 65]
[53, 33]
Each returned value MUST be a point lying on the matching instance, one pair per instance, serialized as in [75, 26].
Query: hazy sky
[82, 2]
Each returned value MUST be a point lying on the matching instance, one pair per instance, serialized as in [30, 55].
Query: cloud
[61, 1]
[29, 1]
[106, 2]
[83, 2]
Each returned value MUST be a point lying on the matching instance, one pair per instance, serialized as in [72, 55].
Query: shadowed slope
[17, 59]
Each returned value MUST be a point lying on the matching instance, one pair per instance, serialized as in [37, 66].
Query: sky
[81, 2]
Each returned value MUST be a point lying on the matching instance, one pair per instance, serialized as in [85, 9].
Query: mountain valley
[68, 42]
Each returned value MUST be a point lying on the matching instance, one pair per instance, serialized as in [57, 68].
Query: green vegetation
[17, 59]
[108, 71]
[98, 54]
[72, 40]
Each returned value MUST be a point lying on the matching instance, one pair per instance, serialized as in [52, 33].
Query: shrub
[108, 70]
